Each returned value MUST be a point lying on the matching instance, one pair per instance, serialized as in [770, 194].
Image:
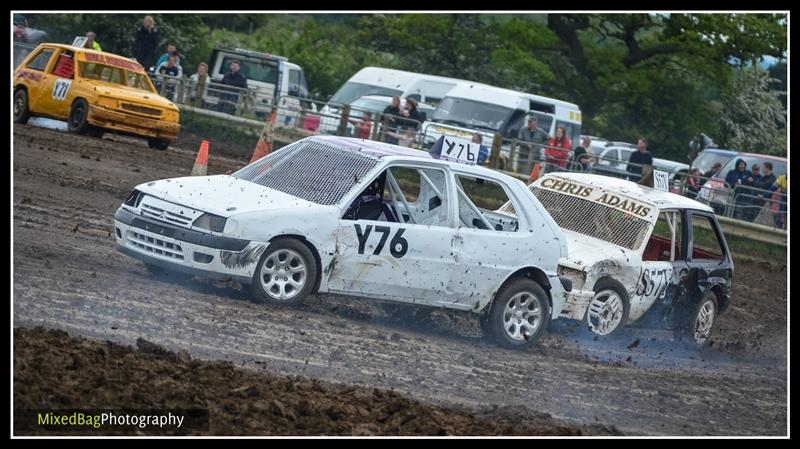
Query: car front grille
[139, 109]
[149, 210]
[154, 245]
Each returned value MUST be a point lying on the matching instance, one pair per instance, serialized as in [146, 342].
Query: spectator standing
[761, 183]
[580, 150]
[693, 184]
[778, 193]
[698, 144]
[713, 171]
[390, 115]
[738, 179]
[201, 77]
[557, 151]
[91, 41]
[532, 135]
[172, 50]
[147, 41]
[363, 126]
[412, 113]
[169, 67]
[233, 78]
[639, 158]
[483, 150]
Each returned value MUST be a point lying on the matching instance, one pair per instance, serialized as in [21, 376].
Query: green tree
[752, 114]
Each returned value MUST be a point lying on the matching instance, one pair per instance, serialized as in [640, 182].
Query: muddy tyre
[22, 110]
[95, 132]
[519, 315]
[608, 311]
[285, 275]
[78, 121]
[698, 321]
[158, 144]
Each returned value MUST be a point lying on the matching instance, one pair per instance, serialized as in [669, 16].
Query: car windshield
[591, 218]
[778, 166]
[350, 91]
[115, 75]
[706, 159]
[314, 171]
[470, 113]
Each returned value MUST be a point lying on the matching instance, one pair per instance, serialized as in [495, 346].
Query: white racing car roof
[637, 192]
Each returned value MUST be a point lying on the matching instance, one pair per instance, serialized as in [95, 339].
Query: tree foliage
[663, 76]
[752, 114]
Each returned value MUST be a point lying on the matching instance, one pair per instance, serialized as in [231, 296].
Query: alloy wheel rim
[605, 312]
[283, 274]
[522, 316]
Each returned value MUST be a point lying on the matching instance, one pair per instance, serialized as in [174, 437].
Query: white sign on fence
[661, 180]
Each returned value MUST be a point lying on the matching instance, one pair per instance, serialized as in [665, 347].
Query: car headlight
[134, 198]
[210, 222]
[107, 102]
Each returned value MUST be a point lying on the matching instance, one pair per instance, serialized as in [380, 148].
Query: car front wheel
[608, 310]
[519, 315]
[78, 121]
[285, 275]
[22, 111]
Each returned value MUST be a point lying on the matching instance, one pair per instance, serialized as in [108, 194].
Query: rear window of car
[314, 171]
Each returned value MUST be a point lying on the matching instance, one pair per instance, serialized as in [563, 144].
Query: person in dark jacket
[641, 157]
[391, 114]
[147, 41]
[760, 184]
[738, 179]
[233, 78]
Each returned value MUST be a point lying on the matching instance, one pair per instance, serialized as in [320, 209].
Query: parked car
[719, 195]
[638, 255]
[710, 156]
[95, 92]
[356, 217]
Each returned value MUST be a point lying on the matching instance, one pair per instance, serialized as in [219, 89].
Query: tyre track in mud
[67, 275]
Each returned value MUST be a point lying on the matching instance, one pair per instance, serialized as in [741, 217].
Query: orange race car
[95, 92]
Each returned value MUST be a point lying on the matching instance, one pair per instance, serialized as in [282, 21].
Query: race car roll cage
[387, 180]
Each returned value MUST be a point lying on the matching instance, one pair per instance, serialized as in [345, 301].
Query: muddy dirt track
[68, 276]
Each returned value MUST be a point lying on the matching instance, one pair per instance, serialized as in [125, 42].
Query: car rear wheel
[519, 315]
[696, 330]
[285, 275]
[158, 144]
[21, 110]
[609, 308]
[78, 121]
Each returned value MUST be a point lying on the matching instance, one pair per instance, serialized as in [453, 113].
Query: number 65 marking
[397, 247]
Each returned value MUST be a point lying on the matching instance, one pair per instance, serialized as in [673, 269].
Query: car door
[61, 93]
[709, 262]
[661, 281]
[39, 92]
[398, 242]
[491, 242]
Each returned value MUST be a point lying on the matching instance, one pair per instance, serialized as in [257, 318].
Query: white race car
[355, 217]
[638, 255]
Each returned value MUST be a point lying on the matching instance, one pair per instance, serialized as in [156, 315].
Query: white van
[473, 107]
[264, 72]
[423, 88]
